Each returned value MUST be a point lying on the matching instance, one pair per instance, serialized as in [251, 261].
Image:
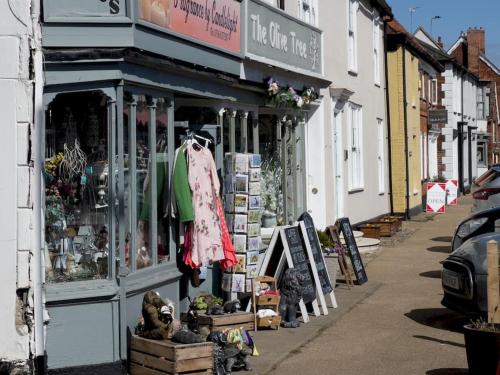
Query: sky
[456, 16]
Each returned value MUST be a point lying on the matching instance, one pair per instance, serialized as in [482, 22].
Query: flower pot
[483, 350]
[269, 221]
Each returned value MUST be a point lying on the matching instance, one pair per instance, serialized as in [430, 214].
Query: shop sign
[214, 22]
[436, 197]
[275, 38]
[452, 192]
[438, 116]
[90, 10]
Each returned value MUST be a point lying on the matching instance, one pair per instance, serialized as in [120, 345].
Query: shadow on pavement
[440, 249]
[440, 318]
[431, 274]
[448, 371]
[439, 341]
[442, 239]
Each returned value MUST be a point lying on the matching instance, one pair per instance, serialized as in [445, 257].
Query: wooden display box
[371, 230]
[157, 357]
[389, 225]
[218, 323]
[269, 300]
[269, 322]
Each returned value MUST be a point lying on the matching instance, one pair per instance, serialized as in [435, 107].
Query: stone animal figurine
[231, 307]
[291, 293]
[159, 322]
[192, 317]
[158, 318]
[227, 356]
[215, 310]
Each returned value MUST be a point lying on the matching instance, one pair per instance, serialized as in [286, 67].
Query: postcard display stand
[242, 206]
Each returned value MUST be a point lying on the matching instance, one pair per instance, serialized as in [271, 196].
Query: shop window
[271, 171]
[355, 151]
[76, 188]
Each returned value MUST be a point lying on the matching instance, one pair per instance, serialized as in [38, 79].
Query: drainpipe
[36, 150]
[460, 138]
[405, 114]
[388, 117]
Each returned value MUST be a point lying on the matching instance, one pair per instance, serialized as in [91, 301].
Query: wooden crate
[389, 226]
[371, 230]
[217, 323]
[269, 322]
[159, 357]
[269, 300]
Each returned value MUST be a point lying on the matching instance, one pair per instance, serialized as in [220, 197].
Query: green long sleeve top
[183, 194]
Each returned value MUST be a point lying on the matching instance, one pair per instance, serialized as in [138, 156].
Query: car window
[486, 177]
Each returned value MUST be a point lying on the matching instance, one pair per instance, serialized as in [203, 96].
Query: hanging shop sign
[438, 116]
[214, 22]
[275, 38]
[352, 250]
[436, 197]
[88, 10]
[452, 192]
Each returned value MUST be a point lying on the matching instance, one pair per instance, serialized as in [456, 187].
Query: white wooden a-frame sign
[289, 259]
[317, 280]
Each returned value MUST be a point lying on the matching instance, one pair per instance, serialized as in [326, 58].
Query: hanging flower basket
[288, 97]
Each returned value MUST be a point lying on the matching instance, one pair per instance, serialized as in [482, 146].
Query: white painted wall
[367, 203]
[15, 213]
[453, 92]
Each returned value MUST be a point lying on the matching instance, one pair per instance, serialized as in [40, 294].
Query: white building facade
[20, 265]
[460, 133]
[355, 132]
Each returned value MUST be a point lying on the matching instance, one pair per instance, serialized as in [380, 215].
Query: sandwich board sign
[320, 271]
[452, 192]
[436, 197]
[287, 248]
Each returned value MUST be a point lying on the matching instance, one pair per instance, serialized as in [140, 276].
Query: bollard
[493, 283]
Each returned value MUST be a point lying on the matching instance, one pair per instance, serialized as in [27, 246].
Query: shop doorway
[339, 163]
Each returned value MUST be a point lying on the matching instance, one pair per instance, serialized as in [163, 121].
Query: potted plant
[482, 343]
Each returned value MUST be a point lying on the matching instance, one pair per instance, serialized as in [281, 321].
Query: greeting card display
[242, 206]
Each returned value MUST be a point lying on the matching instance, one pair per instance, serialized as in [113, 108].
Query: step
[368, 245]
[357, 234]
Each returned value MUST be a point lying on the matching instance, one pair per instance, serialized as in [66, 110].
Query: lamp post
[432, 19]
[412, 10]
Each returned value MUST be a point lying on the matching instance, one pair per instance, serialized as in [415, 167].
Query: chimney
[475, 47]
[440, 42]
[476, 38]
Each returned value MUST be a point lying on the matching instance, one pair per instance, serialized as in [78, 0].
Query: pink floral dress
[206, 232]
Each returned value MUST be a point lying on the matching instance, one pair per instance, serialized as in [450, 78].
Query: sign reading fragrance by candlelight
[215, 22]
[276, 38]
[452, 191]
[436, 197]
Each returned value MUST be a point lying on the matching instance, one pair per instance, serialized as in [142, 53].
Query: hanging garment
[206, 233]
[229, 252]
[183, 202]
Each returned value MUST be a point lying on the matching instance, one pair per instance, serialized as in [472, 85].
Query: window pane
[76, 188]
[143, 184]
[162, 180]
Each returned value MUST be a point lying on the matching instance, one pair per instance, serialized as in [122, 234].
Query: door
[211, 132]
[339, 164]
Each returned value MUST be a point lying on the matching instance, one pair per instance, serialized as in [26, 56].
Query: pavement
[393, 324]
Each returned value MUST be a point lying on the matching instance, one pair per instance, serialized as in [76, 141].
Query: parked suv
[464, 273]
[486, 189]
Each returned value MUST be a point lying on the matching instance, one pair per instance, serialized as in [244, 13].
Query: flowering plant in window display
[271, 194]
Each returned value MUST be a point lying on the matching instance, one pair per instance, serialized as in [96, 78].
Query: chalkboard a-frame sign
[316, 258]
[352, 249]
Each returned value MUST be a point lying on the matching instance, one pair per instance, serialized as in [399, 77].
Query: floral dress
[206, 246]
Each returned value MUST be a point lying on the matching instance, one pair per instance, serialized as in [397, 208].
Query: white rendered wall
[366, 203]
[15, 212]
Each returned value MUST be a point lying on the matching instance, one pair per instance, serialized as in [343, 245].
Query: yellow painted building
[404, 125]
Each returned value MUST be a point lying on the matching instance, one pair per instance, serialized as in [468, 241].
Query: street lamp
[412, 10]
[432, 19]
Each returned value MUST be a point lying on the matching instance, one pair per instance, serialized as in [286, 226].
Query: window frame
[355, 150]
[434, 91]
[376, 49]
[352, 53]
[311, 15]
[381, 155]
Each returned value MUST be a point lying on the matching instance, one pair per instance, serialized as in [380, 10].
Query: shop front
[126, 84]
